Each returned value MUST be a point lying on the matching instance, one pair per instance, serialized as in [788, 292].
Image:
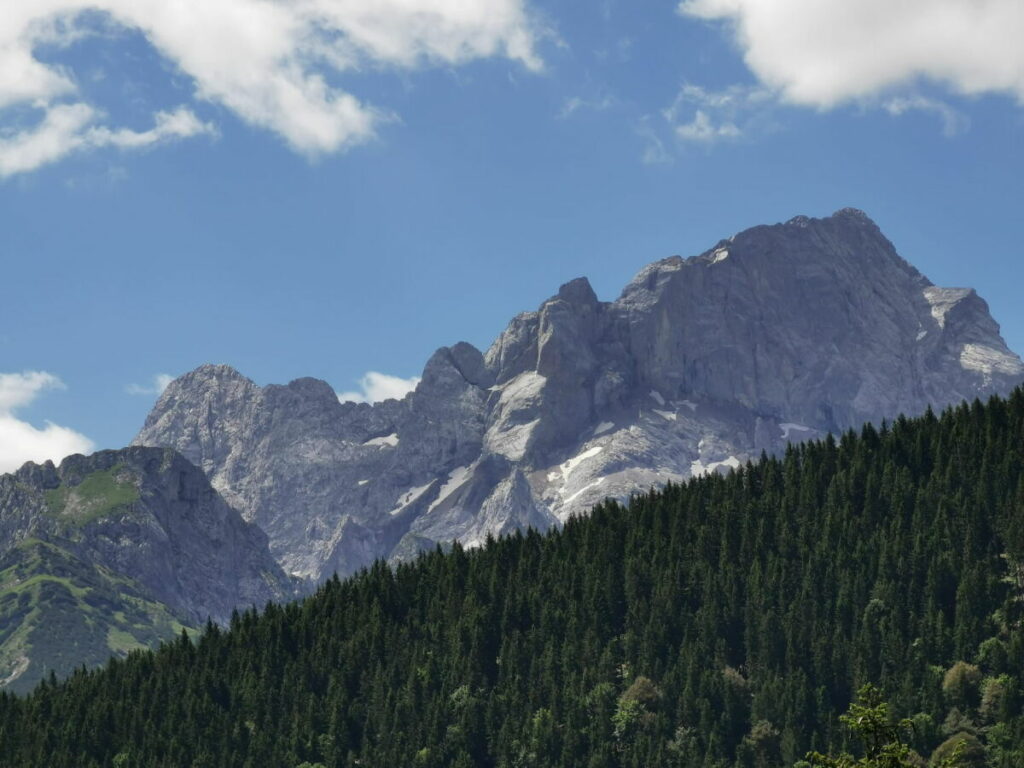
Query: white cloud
[825, 52]
[702, 129]
[953, 122]
[380, 386]
[704, 116]
[160, 382]
[19, 440]
[576, 103]
[655, 152]
[272, 63]
[66, 128]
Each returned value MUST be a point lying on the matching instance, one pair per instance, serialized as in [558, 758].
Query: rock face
[779, 333]
[151, 516]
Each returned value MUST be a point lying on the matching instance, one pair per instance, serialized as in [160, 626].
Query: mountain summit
[779, 333]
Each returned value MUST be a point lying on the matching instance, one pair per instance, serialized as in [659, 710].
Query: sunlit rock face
[780, 333]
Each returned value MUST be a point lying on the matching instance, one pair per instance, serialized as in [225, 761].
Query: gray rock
[149, 514]
[780, 333]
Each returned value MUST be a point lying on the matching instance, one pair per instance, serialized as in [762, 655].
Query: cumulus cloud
[157, 387]
[822, 53]
[375, 387]
[273, 64]
[21, 441]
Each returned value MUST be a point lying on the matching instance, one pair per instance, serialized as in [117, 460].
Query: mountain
[117, 551]
[780, 333]
[723, 623]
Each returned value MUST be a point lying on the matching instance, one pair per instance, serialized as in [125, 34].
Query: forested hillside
[725, 622]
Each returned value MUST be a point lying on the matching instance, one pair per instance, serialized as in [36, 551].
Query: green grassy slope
[57, 612]
[98, 495]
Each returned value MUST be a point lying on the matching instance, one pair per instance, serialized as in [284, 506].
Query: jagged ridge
[779, 333]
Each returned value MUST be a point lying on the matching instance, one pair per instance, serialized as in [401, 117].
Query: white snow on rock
[667, 415]
[388, 440]
[456, 479]
[689, 404]
[788, 428]
[603, 427]
[720, 255]
[921, 335]
[567, 467]
[586, 487]
[699, 468]
[362, 482]
[410, 496]
[657, 397]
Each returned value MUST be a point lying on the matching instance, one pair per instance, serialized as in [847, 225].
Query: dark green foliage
[724, 623]
[882, 738]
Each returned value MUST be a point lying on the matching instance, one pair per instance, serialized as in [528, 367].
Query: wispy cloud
[655, 152]
[275, 65]
[700, 114]
[66, 128]
[374, 387]
[21, 441]
[577, 104]
[953, 122]
[157, 387]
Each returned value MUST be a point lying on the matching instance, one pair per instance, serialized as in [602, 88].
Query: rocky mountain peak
[778, 333]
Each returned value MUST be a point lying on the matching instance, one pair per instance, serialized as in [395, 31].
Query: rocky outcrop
[151, 516]
[779, 333]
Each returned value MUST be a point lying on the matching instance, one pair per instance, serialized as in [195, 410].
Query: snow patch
[720, 255]
[788, 428]
[691, 405]
[362, 482]
[568, 466]
[921, 335]
[410, 496]
[586, 487]
[19, 669]
[388, 440]
[668, 415]
[657, 397]
[456, 479]
[603, 427]
[699, 468]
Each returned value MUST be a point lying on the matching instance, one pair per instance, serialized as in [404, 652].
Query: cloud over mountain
[21, 441]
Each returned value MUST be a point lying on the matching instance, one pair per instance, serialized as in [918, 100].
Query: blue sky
[318, 188]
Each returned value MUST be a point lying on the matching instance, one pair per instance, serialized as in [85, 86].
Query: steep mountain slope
[780, 333]
[725, 623]
[117, 551]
